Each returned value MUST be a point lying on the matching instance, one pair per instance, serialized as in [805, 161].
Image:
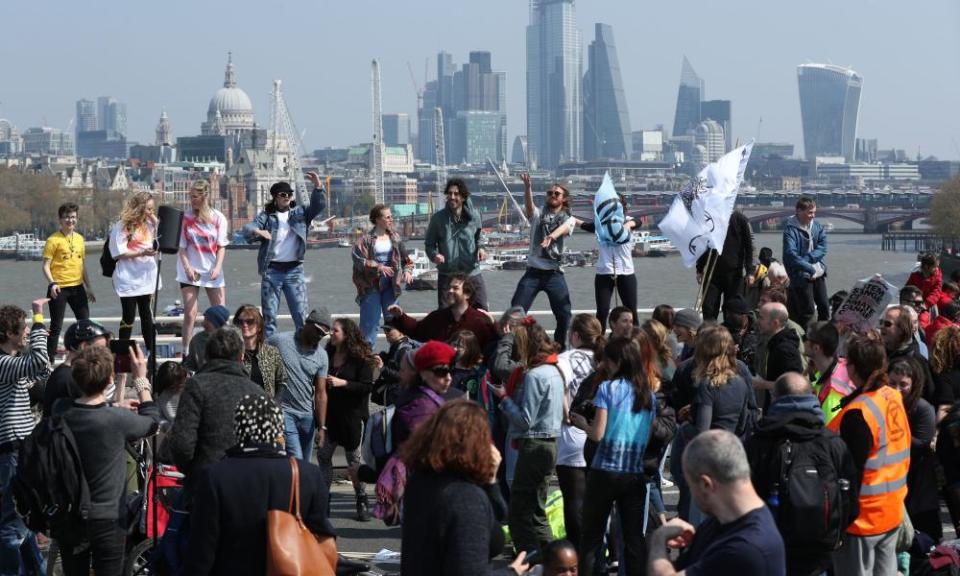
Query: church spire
[230, 76]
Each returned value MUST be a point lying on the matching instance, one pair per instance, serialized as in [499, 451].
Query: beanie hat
[320, 317]
[688, 318]
[433, 353]
[217, 315]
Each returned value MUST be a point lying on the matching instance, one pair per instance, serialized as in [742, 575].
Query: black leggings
[76, 297]
[603, 285]
[129, 307]
[573, 485]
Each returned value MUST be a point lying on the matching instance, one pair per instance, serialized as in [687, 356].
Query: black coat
[228, 526]
[783, 354]
[737, 258]
[348, 407]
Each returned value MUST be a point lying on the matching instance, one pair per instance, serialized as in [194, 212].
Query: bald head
[717, 454]
[791, 384]
[773, 317]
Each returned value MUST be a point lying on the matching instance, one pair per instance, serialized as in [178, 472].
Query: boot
[363, 508]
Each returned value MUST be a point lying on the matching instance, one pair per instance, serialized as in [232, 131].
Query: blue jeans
[298, 433]
[372, 305]
[554, 284]
[19, 554]
[290, 282]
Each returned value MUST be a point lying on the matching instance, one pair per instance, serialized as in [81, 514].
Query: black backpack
[107, 262]
[49, 488]
[810, 491]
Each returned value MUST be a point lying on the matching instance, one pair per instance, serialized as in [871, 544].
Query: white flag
[700, 213]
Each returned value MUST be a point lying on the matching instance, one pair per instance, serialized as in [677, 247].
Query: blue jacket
[798, 258]
[537, 411]
[300, 219]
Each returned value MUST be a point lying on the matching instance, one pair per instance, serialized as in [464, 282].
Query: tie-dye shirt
[625, 437]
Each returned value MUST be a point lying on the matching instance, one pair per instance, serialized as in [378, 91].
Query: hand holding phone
[122, 360]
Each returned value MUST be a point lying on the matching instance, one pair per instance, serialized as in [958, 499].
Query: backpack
[107, 263]
[49, 488]
[810, 495]
[377, 445]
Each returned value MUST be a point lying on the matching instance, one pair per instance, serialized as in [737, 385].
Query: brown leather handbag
[292, 549]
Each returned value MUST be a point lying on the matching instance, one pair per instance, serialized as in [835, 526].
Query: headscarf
[258, 424]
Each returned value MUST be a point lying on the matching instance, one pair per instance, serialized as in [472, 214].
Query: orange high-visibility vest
[884, 485]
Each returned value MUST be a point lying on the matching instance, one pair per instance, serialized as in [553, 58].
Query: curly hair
[455, 440]
[867, 359]
[715, 356]
[354, 344]
[12, 320]
[134, 214]
[945, 351]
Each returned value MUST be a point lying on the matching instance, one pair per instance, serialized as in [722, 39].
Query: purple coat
[415, 406]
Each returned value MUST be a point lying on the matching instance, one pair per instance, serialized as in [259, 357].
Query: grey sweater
[102, 432]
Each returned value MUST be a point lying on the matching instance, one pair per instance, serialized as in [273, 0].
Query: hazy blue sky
[172, 54]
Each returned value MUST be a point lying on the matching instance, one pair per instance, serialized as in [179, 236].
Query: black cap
[280, 187]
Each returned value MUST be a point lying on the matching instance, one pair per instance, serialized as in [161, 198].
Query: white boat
[506, 259]
[649, 245]
[424, 275]
[344, 242]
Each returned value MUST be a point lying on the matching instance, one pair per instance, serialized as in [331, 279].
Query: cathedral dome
[232, 103]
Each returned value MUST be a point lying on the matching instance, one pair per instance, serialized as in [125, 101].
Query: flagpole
[712, 258]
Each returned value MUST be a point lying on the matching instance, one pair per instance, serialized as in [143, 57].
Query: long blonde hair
[658, 339]
[715, 356]
[134, 213]
[205, 214]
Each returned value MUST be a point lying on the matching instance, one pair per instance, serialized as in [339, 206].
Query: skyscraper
[720, 112]
[111, 115]
[554, 76]
[396, 129]
[689, 97]
[606, 121]
[86, 116]
[829, 106]
[709, 135]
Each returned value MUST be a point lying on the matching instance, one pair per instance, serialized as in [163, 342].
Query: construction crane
[438, 147]
[285, 131]
[417, 89]
[376, 154]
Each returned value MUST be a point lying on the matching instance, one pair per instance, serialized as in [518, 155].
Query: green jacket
[459, 242]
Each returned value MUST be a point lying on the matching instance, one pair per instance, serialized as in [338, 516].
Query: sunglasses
[245, 322]
[440, 371]
[555, 193]
[284, 194]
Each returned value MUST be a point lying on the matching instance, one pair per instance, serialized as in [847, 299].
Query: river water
[660, 280]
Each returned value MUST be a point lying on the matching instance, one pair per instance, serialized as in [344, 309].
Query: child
[929, 279]
[469, 369]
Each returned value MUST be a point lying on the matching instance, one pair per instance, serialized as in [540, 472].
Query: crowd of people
[799, 445]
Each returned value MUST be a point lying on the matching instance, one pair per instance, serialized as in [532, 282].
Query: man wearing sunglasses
[548, 226]
[281, 230]
[454, 243]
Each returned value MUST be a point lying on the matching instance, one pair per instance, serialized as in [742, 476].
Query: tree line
[945, 209]
[29, 203]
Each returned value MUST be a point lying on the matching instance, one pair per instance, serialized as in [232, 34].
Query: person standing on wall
[453, 242]
[281, 230]
[548, 226]
[63, 256]
[730, 269]
[203, 241]
[804, 250]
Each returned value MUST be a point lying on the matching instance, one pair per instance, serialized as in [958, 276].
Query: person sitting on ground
[949, 316]
[740, 537]
[738, 319]
[559, 558]
[468, 368]
[228, 533]
[831, 383]
[458, 315]
[686, 322]
[386, 389]
[169, 385]
[664, 313]
[79, 336]
[795, 423]
[929, 279]
[203, 429]
[622, 320]
[102, 433]
[214, 318]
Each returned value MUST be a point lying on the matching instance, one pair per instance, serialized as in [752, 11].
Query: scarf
[258, 423]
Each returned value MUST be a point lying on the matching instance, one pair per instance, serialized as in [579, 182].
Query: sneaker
[665, 483]
[363, 508]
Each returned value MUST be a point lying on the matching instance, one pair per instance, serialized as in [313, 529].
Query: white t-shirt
[133, 276]
[201, 241]
[617, 259]
[285, 244]
[576, 365]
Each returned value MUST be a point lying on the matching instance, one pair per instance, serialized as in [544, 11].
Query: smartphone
[533, 558]
[122, 361]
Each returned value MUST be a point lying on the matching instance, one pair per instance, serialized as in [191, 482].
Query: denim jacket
[538, 410]
[798, 258]
[300, 219]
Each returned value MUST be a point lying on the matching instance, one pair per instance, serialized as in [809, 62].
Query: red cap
[433, 353]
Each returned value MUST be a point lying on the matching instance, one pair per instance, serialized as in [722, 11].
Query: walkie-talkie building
[829, 106]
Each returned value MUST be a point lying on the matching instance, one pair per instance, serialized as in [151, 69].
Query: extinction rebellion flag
[700, 213]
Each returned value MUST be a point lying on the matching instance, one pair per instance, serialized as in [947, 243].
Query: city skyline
[910, 85]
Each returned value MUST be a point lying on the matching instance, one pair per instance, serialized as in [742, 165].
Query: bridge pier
[870, 222]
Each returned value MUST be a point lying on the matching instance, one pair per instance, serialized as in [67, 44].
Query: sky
[156, 55]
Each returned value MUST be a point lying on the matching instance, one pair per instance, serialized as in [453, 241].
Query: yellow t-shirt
[66, 258]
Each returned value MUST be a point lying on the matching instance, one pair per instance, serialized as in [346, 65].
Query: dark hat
[320, 317]
[688, 318]
[217, 315]
[736, 305]
[387, 328]
[83, 331]
[280, 187]
[433, 353]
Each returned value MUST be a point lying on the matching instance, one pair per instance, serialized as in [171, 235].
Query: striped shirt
[17, 373]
